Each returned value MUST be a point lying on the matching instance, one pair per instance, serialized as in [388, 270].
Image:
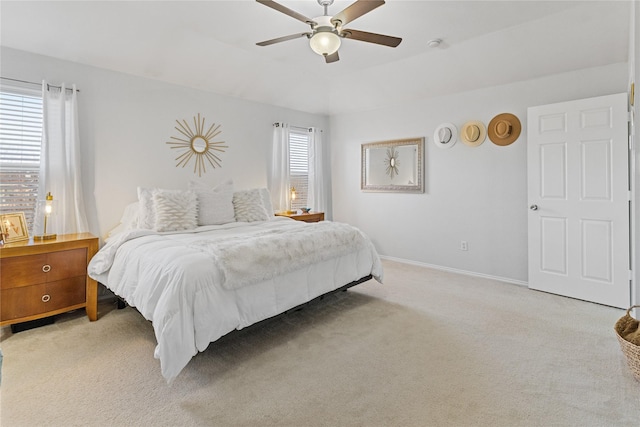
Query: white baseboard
[456, 270]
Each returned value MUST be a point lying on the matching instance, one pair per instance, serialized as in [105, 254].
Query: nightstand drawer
[42, 268]
[48, 297]
[311, 217]
[306, 217]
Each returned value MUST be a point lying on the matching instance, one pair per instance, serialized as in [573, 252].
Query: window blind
[299, 166]
[20, 145]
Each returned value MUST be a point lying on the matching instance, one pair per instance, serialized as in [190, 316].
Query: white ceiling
[211, 45]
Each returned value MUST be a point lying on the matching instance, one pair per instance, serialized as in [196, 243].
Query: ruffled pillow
[248, 206]
[215, 205]
[175, 210]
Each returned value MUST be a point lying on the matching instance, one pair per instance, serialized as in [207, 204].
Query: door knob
[533, 207]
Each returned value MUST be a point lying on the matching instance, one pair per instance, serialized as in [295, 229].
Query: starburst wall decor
[198, 145]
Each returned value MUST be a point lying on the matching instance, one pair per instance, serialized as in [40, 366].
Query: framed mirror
[393, 166]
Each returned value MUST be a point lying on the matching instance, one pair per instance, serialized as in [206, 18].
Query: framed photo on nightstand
[13, 227]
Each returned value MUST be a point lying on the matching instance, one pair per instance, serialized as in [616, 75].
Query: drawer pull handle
[46, 268]
[46, 298]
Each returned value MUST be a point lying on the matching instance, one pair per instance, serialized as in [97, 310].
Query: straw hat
[504, 129]
[473, 133]
[445, 135]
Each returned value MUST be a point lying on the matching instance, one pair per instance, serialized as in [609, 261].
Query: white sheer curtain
[60, 171]
[279, 179]
[317, 197]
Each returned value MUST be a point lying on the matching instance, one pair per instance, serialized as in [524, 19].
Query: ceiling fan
[327, 31]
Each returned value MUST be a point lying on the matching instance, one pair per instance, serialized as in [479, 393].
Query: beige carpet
[427, 348]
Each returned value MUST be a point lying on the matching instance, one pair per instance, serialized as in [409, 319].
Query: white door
[578, 194]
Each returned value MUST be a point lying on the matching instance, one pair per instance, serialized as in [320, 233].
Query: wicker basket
[630, 350]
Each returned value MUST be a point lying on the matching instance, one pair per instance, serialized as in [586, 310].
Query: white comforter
[192, 287]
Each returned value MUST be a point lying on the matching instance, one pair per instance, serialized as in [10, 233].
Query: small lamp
[48, 209]
[291, 199]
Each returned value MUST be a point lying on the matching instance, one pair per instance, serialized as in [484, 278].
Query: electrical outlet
[464, 246]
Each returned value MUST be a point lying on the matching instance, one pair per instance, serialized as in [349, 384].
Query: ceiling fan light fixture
[325, 42]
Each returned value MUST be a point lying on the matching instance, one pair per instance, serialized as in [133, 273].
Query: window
[20, 143]
[299, 165]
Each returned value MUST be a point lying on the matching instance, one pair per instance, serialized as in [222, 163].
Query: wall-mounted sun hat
[445, 135]
[473, 133]
[504, 129]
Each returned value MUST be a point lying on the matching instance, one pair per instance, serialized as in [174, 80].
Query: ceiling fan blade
[282, 39]
[371, 37]
[332, 58]
[280, 8]
[355, 11]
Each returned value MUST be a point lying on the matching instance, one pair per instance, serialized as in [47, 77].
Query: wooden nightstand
[306, 217]
[44, 278]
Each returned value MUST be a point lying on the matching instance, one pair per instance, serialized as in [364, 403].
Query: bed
[197, 284]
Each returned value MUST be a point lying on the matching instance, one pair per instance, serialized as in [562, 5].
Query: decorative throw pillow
[215, 205]
[248, 206]
[175, 210]
[146, 212]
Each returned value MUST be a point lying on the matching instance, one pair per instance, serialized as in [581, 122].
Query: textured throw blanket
[248, 259]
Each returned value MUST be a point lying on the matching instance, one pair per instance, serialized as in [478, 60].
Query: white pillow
[146, 212]
[129, 220]
[130, 216]
[248, 206]
[215, 205]
[266, 201]
[175, 210]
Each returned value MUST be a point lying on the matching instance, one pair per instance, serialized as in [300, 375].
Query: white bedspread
[192, 287]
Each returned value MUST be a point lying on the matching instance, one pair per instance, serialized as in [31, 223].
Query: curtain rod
[37, 84]
[277, 124]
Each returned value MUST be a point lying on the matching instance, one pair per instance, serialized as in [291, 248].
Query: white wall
[126, 120]
[478, 195]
